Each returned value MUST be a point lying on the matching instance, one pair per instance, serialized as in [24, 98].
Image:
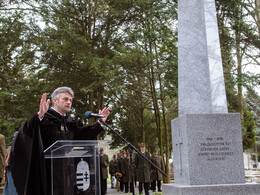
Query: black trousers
[103, 186]
[153, 185]
[121, 186]
[131, 186]
[146, 187]
[126, 184]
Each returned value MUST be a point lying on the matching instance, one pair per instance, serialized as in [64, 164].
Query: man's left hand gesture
[104, 112]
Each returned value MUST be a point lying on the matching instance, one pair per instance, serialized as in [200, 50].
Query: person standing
[131, 166]
[8, 178]
[126, 171]
[2, 157]
[118, 174]
[120, 167]
[156, 176]
[104, 162]
[30, 172]
[112, 170]
[143, 170]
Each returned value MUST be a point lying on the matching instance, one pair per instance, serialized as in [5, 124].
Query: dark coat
[126, 175]
[143, 167]
[104, 162]
[112, 167]
[120, 166]
[158, 161]
[28, 167]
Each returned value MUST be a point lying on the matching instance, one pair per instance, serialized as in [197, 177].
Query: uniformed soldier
[143, 170]
[119, 170]
[104, 162]
[156, 176]
[126, 171]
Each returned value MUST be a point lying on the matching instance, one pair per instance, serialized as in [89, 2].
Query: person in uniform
[156, 176]
[118, 174]
[119, 170]
[104, 162]
[143, 170]
[126, 171]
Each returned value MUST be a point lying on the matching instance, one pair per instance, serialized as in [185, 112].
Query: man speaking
[30, 172]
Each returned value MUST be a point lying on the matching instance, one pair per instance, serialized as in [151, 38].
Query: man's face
[63, 104]
[142, 149]
[101, 152]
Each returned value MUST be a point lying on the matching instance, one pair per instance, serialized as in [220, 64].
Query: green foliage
[248, 133]
[16, 62]
[253, 105]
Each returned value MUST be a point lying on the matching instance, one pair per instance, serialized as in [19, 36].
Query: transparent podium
[73, 167]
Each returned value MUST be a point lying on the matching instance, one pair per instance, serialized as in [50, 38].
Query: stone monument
[206, 139]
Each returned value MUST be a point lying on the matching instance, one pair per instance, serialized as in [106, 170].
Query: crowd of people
[144, 175]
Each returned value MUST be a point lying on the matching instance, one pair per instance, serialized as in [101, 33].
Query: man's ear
[54, 100]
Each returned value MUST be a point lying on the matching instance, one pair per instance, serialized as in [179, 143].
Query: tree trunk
[239, 67]
[100, 99]
[154, 95]
[167, 144]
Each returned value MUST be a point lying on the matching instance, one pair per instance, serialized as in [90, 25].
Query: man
[131, 166]
[104, 162]
[125, 170]
[112, 170]
[30, 172]
[9, 185]
[143, 170]
[118, 174]
[156, 176]
[120, 166]
[2, 157]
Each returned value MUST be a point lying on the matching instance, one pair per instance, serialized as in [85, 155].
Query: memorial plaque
[211, 150]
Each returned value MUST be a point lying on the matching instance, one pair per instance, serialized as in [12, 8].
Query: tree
[252, 104]
[238, 34]
[248, 133]
[17, 63]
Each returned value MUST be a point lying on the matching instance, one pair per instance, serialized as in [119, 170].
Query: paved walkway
[110, 191]
[115, 192]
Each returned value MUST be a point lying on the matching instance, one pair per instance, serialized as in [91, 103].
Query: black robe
[27, 163]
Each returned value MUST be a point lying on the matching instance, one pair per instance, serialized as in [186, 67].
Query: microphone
[90, 114]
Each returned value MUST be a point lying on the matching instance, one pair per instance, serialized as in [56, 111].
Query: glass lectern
[73, 167]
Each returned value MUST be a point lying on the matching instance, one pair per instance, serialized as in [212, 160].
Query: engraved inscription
[215, 148]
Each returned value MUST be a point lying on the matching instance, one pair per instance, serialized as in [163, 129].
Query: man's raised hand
[44, 105]
[104, 112]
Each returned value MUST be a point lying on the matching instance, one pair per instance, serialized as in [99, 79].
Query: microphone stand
[132, 148]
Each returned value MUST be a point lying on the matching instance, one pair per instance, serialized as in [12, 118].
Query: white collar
[58, 111]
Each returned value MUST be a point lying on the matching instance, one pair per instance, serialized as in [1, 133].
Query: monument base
[207, 149]
[220, 189]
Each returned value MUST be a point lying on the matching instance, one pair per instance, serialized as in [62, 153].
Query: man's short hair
[142, 145]
[56, 93]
